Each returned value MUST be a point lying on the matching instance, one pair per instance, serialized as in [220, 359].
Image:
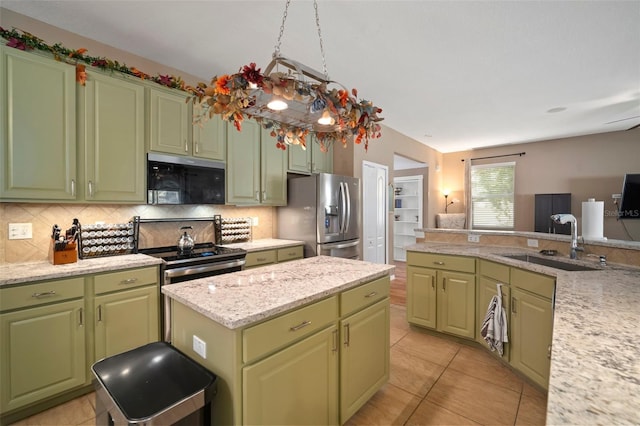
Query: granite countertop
[241, 298]
[265, 244]
[17, 273]
[595, 361]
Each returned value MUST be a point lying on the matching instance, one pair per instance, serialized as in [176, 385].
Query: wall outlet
[532, 242]
[200, 346]
[254, 221]
[473, 238]
[20, 231]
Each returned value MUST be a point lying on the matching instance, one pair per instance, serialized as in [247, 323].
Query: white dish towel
[494, 326]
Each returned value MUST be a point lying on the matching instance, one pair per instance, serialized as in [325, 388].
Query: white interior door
[375, 178]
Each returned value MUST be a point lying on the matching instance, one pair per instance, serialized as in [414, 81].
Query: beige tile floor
[434, 381]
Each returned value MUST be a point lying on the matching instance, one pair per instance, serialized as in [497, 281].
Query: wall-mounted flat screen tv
[630, 201]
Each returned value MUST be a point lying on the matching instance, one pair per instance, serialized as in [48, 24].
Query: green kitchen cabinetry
[490, 274]
[364, 340]
[269, 257]
[256, 168]
[126, 310]
[38, 113]
[310, 160]
[531, 324]
[210, 139]
[318, 363]
[441, 293]
[169, 121]
[43, 332]
[111, 134]
[51, 332]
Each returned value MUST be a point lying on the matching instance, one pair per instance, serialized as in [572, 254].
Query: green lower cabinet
[531, 334]
[297, 385]
[421, 296]
[441, 300]
[125, 320]
[487, 288]
[364, 357]
[42, 353]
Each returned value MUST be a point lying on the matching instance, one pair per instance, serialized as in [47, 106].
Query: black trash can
[152, 385]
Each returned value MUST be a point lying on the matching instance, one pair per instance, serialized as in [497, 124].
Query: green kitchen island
[305, 342]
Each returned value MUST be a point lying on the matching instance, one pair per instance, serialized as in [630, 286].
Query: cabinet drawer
[258, 258]
[38, 294]
[541, 285]
[290, 253]
[442, 261]
[494, 270]
[123, 280]
[281, 331]
[364, 295]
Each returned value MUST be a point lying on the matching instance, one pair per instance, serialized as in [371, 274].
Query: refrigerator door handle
[343, 209]
[340, 245]
[348, 215]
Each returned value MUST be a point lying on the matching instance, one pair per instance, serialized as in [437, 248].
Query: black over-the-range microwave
[172, 179]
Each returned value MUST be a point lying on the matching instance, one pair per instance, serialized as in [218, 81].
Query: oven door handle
[190, 270]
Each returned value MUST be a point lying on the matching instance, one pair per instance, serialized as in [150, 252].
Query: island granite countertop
[18, 273]
[595, 360]
[241, 298]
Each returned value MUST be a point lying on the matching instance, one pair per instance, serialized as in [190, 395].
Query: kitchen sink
[552, 263]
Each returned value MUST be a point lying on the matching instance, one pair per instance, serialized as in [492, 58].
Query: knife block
[68, 255]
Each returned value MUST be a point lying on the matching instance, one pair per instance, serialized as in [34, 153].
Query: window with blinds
[492, 196]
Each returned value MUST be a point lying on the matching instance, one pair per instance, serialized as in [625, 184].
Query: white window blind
[492, 196]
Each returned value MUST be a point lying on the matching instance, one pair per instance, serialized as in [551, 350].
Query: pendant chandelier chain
[284, 19]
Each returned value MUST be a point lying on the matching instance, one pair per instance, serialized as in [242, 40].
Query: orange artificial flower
[135, 71]
[81, 74]
[221, 85]
[343, 95]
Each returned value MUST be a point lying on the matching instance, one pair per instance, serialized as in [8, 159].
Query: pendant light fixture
[291, 99]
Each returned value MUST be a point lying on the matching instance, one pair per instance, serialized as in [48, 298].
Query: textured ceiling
[453, 75]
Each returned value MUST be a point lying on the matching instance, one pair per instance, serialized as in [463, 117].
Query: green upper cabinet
[38, 113]
[256, 168]
[310, 160]
[210, 139]
[169, 122]
[111, 125]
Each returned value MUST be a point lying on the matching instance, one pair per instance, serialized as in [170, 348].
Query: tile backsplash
[44, 216]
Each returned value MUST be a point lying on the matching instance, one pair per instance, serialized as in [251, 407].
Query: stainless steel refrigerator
[323, 210]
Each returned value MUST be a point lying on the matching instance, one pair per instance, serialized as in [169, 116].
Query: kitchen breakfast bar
[306, 341]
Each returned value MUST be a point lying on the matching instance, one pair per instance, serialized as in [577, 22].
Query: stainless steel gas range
[202, 259]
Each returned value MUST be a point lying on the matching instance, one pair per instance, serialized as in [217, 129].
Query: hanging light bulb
[277, 104]
[326, 118]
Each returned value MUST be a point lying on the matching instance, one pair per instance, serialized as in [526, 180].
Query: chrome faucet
[563, 218]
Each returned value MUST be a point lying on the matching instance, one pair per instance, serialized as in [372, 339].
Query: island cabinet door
[456, 303]
[421, 296]
[295, 386]
[364, 357]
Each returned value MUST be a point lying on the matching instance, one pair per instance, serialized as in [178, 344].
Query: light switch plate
[254, 221]
[20, 231]
[199, 346]
[473, 238]
[532, 242]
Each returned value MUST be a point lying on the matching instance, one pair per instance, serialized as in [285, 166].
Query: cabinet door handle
[257, 195]
[549, 351]
[433, 282]
[44, 294]
[347, 337]
[99, 313]
[373, 293]
[197, 147]
[129, 281]
[438, 263]
[335, 341]
[264, 195]
[186, 147]
[303, 324]
[261, 259]
[81, 317]
[90, 189]
[513, 305]
[73, 187]
[444, 284]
